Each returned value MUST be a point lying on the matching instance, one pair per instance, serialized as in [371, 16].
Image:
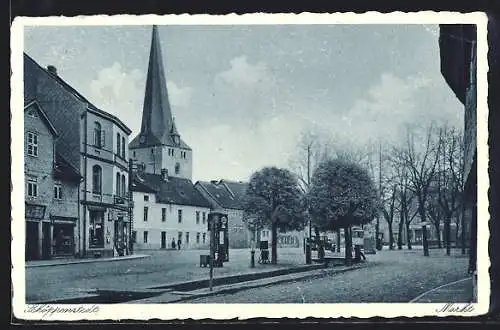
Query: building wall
[154, 225]
[39, 167]
[157, 158]
[61, 107]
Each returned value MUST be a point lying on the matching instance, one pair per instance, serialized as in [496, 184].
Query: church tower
[159, 146]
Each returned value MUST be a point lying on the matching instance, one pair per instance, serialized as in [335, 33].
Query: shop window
[96, 229]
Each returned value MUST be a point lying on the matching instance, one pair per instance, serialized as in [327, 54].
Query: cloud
[244, 73]
[119, 92]
[229, 152]
[179, 96]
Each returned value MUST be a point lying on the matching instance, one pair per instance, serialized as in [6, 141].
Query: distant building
[51, 190]
[228, 197]
[168, 209]
[92, 143]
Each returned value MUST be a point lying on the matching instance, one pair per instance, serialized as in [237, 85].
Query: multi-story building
[51, 190]
[168, 210]
[91, 142]
[227, 196]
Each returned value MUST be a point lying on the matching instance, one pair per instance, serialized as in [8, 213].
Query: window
[170, 152]
[146, 213]
[183, 154]
[32, 187]
[99, 136]
[124, 186]
[197, 238]
[204, 237]
[187, 238]
[204, 219]
[177, 168]
[163, 214]
[118, 181]
[197, 217]
[118, 144]
[123, 147]
[96, 229]
[179, 216]
[32, 144]
[96, 179]
[145, 237]
[57, 191]
[146, 198]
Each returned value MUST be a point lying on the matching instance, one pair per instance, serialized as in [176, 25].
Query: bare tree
[450, 178]
[421, 162]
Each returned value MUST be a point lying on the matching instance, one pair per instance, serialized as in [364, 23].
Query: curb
[232, 279]
[185, 296]
[85, 261]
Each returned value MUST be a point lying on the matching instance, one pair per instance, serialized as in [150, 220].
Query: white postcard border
[245, 311]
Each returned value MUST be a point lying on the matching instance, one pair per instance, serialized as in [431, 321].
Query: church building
[168, 208]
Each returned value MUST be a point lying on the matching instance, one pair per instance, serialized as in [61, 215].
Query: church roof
[175, 190]
[157, 122]
[226, 193]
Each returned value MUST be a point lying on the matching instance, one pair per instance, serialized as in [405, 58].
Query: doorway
[46, 241]
[31, 244]
[163, 240]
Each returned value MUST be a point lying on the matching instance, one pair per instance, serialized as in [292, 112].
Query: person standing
[173, 243]
[179, 244]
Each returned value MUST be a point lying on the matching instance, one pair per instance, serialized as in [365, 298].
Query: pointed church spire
[156, 115]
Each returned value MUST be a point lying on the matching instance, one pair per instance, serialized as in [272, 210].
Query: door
[31, 246]
[46, 240]
[163, 240]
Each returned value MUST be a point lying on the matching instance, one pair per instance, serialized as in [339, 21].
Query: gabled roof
[227, 194]
[178, 191]
[33, 104]
[65, 171]
[157, 127]
[79, 96]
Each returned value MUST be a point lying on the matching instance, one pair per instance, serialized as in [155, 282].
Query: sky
[242, 95]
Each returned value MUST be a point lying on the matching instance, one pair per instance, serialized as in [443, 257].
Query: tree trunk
[338, 240]
[391, 236]
[274, 245]
[421, 211]
[400, 235]
[438, 234]
[463, 227]
[348, 245]
[447, 231]
[408, 236]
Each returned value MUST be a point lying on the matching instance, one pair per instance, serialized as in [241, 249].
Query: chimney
[164, 174]
[52, 69]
